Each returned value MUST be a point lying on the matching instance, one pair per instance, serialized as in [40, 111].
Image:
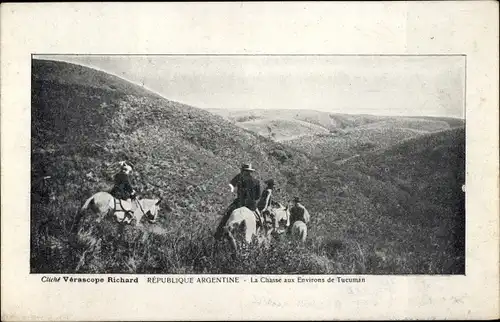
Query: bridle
[123, 208]
[286, 218]
[275, 222]
[142, 209]
[140, 206]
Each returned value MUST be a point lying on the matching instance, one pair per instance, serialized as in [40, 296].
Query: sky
[379, 85]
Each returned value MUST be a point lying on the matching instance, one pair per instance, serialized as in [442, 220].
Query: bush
[246, 118]
[281, 155]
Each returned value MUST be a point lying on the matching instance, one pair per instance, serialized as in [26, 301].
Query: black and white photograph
[251, 161]
[248, 164]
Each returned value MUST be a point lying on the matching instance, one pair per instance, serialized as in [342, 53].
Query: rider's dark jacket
[248, 191]
[123, 188]
[298, 213]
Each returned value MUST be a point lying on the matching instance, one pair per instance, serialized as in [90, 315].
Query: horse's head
[280, 216]
[270, 221]
[151, 208]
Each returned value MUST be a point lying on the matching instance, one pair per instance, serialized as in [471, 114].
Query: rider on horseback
[298, 213]
[123, 189]
[248, 192]
[265, 201]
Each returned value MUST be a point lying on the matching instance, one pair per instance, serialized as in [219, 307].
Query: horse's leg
[100, 217]
[102, 213]
[295, 233]
[102, 210]
[76, 221]
[222, 223]
[89, 207]
[304, 235]
[232, 241]
[138, 219]
[250, 231]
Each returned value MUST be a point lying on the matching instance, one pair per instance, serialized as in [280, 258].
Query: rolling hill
[405, 220]
[89, 128]
[335, 121]
[406, 199]
[332, 135]
[282, 130]
[184, 154]
[352, 142]
[326, 120]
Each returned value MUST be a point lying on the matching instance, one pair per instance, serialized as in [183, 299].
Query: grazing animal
[299, 231]
[103, 204]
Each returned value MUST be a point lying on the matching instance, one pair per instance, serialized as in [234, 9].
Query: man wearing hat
[265, 201]
[248, 192]
[298, 212]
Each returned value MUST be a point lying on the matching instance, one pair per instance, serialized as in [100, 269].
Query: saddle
[260, 220]
[123, 210]
[122, 204]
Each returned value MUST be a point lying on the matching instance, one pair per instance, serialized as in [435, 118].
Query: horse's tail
[87, 203]
[79, 214]
[232, 241]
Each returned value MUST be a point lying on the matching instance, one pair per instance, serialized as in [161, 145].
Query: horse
[299, 231]
[104, 204]
[281, 217]
[242, 220]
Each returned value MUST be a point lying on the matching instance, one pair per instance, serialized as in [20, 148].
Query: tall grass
[184, 244]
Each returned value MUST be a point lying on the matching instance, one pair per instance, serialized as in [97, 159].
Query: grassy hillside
[335, 121]
[98, 127]
[363, 221]
[404, 206]
[331, 135]
[326, 120]
[417, 124]
[351, 142]
[186, 155]
[282, 130]
[452, 122]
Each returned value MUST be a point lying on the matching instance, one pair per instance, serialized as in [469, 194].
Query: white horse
[242, 224]
[299, 228]
[299, 231]
[104, 204]
[281, 217]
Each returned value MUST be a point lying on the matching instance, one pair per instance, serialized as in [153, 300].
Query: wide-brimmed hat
[269, 182]
[125, 167]
[247, 167]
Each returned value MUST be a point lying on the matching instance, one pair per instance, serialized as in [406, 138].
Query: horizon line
[328, 112]
[261, 54]
[222, 108]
